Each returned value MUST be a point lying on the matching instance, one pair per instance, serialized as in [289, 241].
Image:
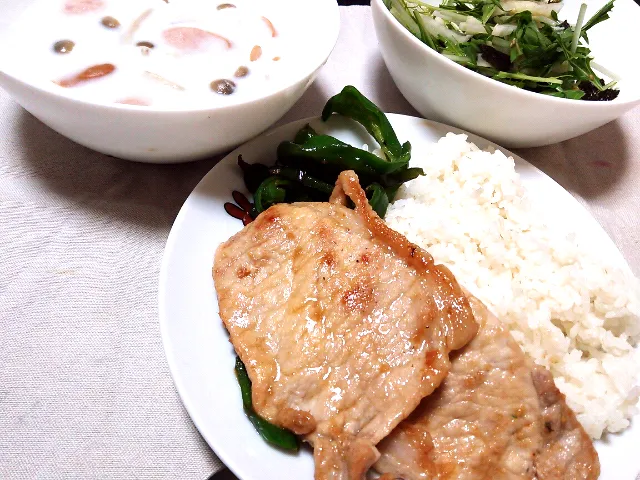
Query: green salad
[519, 42]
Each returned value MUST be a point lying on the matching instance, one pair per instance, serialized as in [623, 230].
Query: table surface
[85, 391]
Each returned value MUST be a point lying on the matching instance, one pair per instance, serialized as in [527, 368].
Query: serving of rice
[568, 309]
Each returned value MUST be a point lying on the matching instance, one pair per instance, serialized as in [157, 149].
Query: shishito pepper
[272, 434]
[352, 104]
[378, 198]
[304, 134]
[303, 178]
[307, 167]
[327, 150]
[271, 191]
[288, 184]
[253, 174]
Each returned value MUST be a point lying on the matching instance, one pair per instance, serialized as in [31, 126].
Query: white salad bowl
[172, 135]
[445, 91]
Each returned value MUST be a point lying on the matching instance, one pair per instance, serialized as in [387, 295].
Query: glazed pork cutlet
[343, 325]
[496, 416]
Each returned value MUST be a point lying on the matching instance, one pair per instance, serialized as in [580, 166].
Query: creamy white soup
[158, 53]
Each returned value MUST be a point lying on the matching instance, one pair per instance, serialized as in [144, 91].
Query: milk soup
[160, 53]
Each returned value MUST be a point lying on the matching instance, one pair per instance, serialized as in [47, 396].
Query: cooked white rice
[568, 309]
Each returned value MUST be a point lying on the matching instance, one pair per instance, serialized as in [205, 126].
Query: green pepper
[391, 192]
[276, 436]
[352, 104]
[326, 150]
[303, 178]
[307, 168]
[378, 198]
[253, 174]
[304, 134]
[271, 191]
[401, 176]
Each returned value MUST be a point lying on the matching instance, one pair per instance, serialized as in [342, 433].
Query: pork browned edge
[497, 416]
[343, 325]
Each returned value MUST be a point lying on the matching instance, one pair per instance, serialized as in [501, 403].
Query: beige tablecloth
[85, 391]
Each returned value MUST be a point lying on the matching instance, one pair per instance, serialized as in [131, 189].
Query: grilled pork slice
[496, 416]
[343, 325]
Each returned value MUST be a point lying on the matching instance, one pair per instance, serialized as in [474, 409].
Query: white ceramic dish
[197, 346]
[172, 135]
[442, 90]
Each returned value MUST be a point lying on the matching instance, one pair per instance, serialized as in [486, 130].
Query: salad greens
[519, 42]
[306, 169]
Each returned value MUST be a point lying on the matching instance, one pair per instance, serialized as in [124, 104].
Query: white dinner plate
[199, 353]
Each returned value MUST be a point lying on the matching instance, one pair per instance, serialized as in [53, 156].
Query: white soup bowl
[170, 135]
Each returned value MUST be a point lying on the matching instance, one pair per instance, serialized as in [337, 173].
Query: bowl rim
[330, 34]
[448, 63]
